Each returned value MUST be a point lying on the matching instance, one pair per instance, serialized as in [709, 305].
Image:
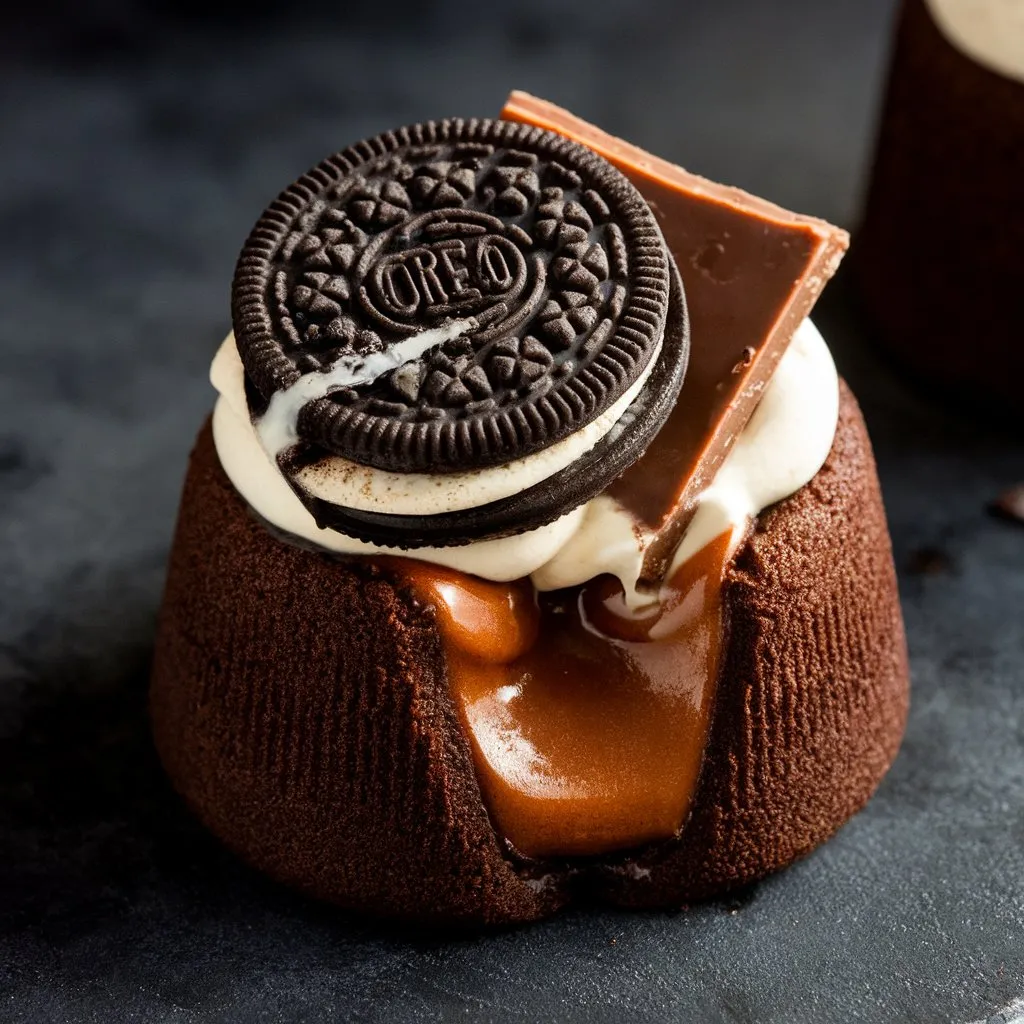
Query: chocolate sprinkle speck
[1009, 506]
[929, 561]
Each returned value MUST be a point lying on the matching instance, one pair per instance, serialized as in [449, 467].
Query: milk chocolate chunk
[450, 296]
[752, 271]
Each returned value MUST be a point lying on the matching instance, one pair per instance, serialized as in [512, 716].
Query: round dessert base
[300, 705]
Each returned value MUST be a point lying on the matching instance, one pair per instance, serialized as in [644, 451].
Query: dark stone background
[137, 145]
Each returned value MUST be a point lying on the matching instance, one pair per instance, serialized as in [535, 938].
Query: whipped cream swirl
[781, 448]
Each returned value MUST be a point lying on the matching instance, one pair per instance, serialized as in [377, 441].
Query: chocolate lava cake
[534, 550]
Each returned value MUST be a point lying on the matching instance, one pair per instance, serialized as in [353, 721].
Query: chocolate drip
[587, 725]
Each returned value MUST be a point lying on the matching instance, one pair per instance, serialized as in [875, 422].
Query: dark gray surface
[126, 186]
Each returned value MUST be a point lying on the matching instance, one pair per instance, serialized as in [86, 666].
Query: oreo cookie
[544, 502]
[450, 296]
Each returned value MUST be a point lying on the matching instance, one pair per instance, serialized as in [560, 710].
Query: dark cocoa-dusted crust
[300, 706]
[938, 254]
[573, 325]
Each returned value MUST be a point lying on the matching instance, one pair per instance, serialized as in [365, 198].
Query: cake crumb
[1010, 505]
[928, 561]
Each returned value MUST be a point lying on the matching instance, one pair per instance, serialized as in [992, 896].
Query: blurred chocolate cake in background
[946, 186]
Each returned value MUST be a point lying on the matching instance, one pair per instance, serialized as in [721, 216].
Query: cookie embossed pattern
[558, 311]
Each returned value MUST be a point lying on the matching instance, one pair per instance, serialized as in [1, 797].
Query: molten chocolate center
[587, 724]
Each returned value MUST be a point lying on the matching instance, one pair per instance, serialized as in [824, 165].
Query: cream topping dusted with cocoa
[781, 448]
[342, 481]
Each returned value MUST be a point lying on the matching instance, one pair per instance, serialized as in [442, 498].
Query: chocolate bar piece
[751, 272]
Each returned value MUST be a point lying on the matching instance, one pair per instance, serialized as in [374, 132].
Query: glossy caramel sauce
[587, 723]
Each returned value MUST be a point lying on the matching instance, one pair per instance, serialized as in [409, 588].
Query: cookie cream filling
[991, 32]
[781, 448]
[278, 426]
